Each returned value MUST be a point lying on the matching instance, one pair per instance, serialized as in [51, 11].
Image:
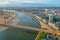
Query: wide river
[18, 33]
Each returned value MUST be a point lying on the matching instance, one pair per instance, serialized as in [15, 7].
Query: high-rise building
[51, 14]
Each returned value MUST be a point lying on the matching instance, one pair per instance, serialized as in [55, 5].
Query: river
[21, 34]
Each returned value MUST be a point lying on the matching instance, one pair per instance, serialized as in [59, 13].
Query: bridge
[53, 32]
[33, 28]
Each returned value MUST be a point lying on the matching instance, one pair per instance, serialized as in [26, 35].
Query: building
[58, 24]
[50, 37]
[51, 14]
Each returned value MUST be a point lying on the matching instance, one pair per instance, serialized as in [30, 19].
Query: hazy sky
[47, 2]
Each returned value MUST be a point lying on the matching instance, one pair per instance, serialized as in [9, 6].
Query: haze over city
[30, 3]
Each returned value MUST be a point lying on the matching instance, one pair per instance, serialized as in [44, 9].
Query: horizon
[29, 3]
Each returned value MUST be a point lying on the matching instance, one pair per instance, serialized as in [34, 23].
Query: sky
[41, 3]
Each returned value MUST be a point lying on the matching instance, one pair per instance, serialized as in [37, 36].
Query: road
[35, 29]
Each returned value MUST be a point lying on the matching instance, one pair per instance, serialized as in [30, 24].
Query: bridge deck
[35, 29]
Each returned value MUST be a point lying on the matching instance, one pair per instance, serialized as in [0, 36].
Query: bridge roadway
[36, 29]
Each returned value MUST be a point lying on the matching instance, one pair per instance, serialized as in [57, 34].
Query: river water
[21, 34]
[27, 20]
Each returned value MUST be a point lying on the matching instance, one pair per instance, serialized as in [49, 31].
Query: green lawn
[41, 36]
